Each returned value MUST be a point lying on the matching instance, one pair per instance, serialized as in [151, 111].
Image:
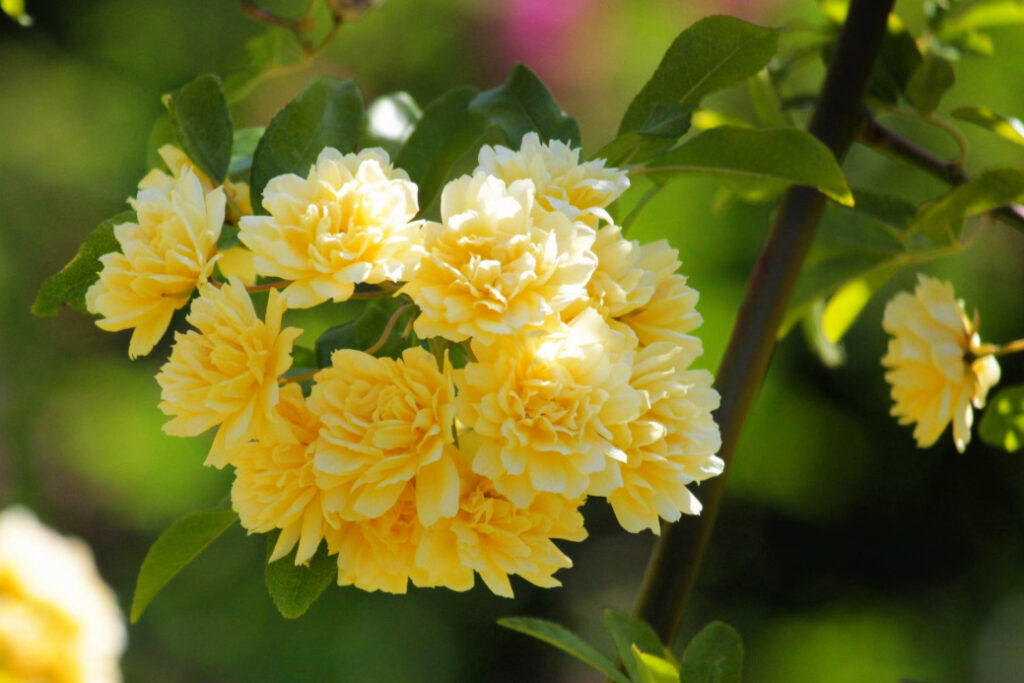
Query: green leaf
[652, 668]
[746, 158]
[162, 133]
[989, 190]
[242, 149]
[929, 82]
[831, 354]
[1006, 126]
[712, 54]
[172, 552]
[327, 113]
[667, 123]
[272, 49]
[228, 237]
[897, 61]
[447, 131]
[627, 633]
[715, 655]
[390, 121]
[69, 285]
[295, 588]
[365, 330]
[981, 15]
[1002, 424]
[523, 104]
[202, 121]
[565, 640]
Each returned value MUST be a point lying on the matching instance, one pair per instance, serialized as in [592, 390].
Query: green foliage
[750, 160]
[69, 285]
[173, 551]
[199, 113]
[652, 668]
[242, 149]
[390, 121]
[293, 588]
[274, 49]
[1005, 126]
[929, 82]
[899, 59]
[631, 634]
[1002, 424]
[713, 53]
[446, 132]
[327, 113]
[523, 104]
[162, 133]
[565, 640]
[943, 216]
[365, 330]
[666, 124]
[715, 655]
[982, 15]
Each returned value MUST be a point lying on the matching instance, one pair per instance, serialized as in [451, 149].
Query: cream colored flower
[620, 284]
[238, 262]
[163, 257]
[178, 163]
[59, 622]
[385, 423]
[936, 371]
[493, 267]
[546, 407]
[226, 373]
[673, 443]
[580, 191]
[348, 222]
[496, 538]
[275, 486]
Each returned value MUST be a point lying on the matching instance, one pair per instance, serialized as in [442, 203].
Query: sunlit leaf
[68, 286]
[652, 668]
[929, 82]
[1002, 423]
[715, 655]
[523, 104]
[985, 192]
[831, 354]
[565, 640]
[712, 54]
[174, 550]
[983, 15]
[1008, 127]
[327, 113]
[390, 121]
[199, 113]
[293, 588]
[15, 9]
[627, 633]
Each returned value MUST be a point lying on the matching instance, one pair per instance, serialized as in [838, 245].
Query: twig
[387, 328]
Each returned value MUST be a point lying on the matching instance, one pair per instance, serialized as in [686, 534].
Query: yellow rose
[348, 222]
[178, 163]
[163, 258]
[492, 267]
[936, 371]
[546, 407]
[226, 372]
[580, 191]
[385, 423]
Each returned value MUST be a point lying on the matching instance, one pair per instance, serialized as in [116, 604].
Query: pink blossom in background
[537, 32]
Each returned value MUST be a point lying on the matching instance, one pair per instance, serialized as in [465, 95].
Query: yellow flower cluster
[545, 359]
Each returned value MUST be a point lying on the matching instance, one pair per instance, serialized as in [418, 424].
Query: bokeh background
[842, 553]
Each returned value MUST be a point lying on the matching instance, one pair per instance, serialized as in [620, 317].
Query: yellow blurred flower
[546, 407]
[226, 373]
[673, 443]
[385, 423]
[936, 371]
[493, 267]
[59, 622]
[496, 538]
[163, 257]
[348, 222]
[580, 191]
[275, 486]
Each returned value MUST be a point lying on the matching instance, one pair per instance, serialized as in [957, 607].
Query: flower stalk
[676, 558]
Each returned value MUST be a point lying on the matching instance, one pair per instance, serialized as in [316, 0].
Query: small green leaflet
[943, 217]
[1005, 126]
[628, 634]
[523, 104]
[715, 655]
[70, 284]
[173, 551]
[652, 668]
[199, 113]
[565, 640]
[1002, 423]
[295, 588]
[929, 82]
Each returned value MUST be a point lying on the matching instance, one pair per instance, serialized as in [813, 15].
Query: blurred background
[842, 553]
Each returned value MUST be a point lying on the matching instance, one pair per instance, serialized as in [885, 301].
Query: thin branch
[388, 328]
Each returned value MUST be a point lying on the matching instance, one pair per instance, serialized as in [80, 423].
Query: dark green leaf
[365, 330]
[715, 655]
[295, 588]
[652, 668]
[745, 158]
[162, 133]
[445, 133]
[898, 60]
[666, 124]
[327, 113]
[202, 121]
[1002, 424]
[710, 55]
[565, 640]
[523, 104]
[228, 237]
[1006, 126]
[390, 121]
[172, 552]
[627, 632]
[989, 190]
[242, 149]
[303, 358]
[929, 82]
[887, 210]
[70, 284]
